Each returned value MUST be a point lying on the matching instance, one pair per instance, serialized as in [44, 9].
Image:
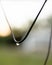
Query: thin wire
[49, 47]
[28, 30]
[33, 23]
[8, 24]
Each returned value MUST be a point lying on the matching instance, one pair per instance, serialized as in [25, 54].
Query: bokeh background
[21, 14]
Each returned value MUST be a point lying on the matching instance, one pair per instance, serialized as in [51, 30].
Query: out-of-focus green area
[10, 55]
[8, 40]
[14, 57]
[19, 33]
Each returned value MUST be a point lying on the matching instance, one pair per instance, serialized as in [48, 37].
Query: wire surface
[49, 47]
[16, 41]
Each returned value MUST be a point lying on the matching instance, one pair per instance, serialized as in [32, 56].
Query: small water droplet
[17, 44]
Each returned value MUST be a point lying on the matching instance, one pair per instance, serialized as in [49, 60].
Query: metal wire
[16, 41]
[49, 47]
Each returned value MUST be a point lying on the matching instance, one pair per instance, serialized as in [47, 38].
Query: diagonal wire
[28, 30]
[33, 23]
[8, 24]
[49, 48]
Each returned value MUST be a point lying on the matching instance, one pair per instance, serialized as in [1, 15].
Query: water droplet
[17, 44]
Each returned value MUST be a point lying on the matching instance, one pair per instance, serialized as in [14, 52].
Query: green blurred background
[10, 54]
[34, 49]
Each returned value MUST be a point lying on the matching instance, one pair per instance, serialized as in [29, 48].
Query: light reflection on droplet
[17, 44]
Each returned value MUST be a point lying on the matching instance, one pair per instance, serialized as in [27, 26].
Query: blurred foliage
[13, 57]
[19, 33]
[50, 20]
[8, 40]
